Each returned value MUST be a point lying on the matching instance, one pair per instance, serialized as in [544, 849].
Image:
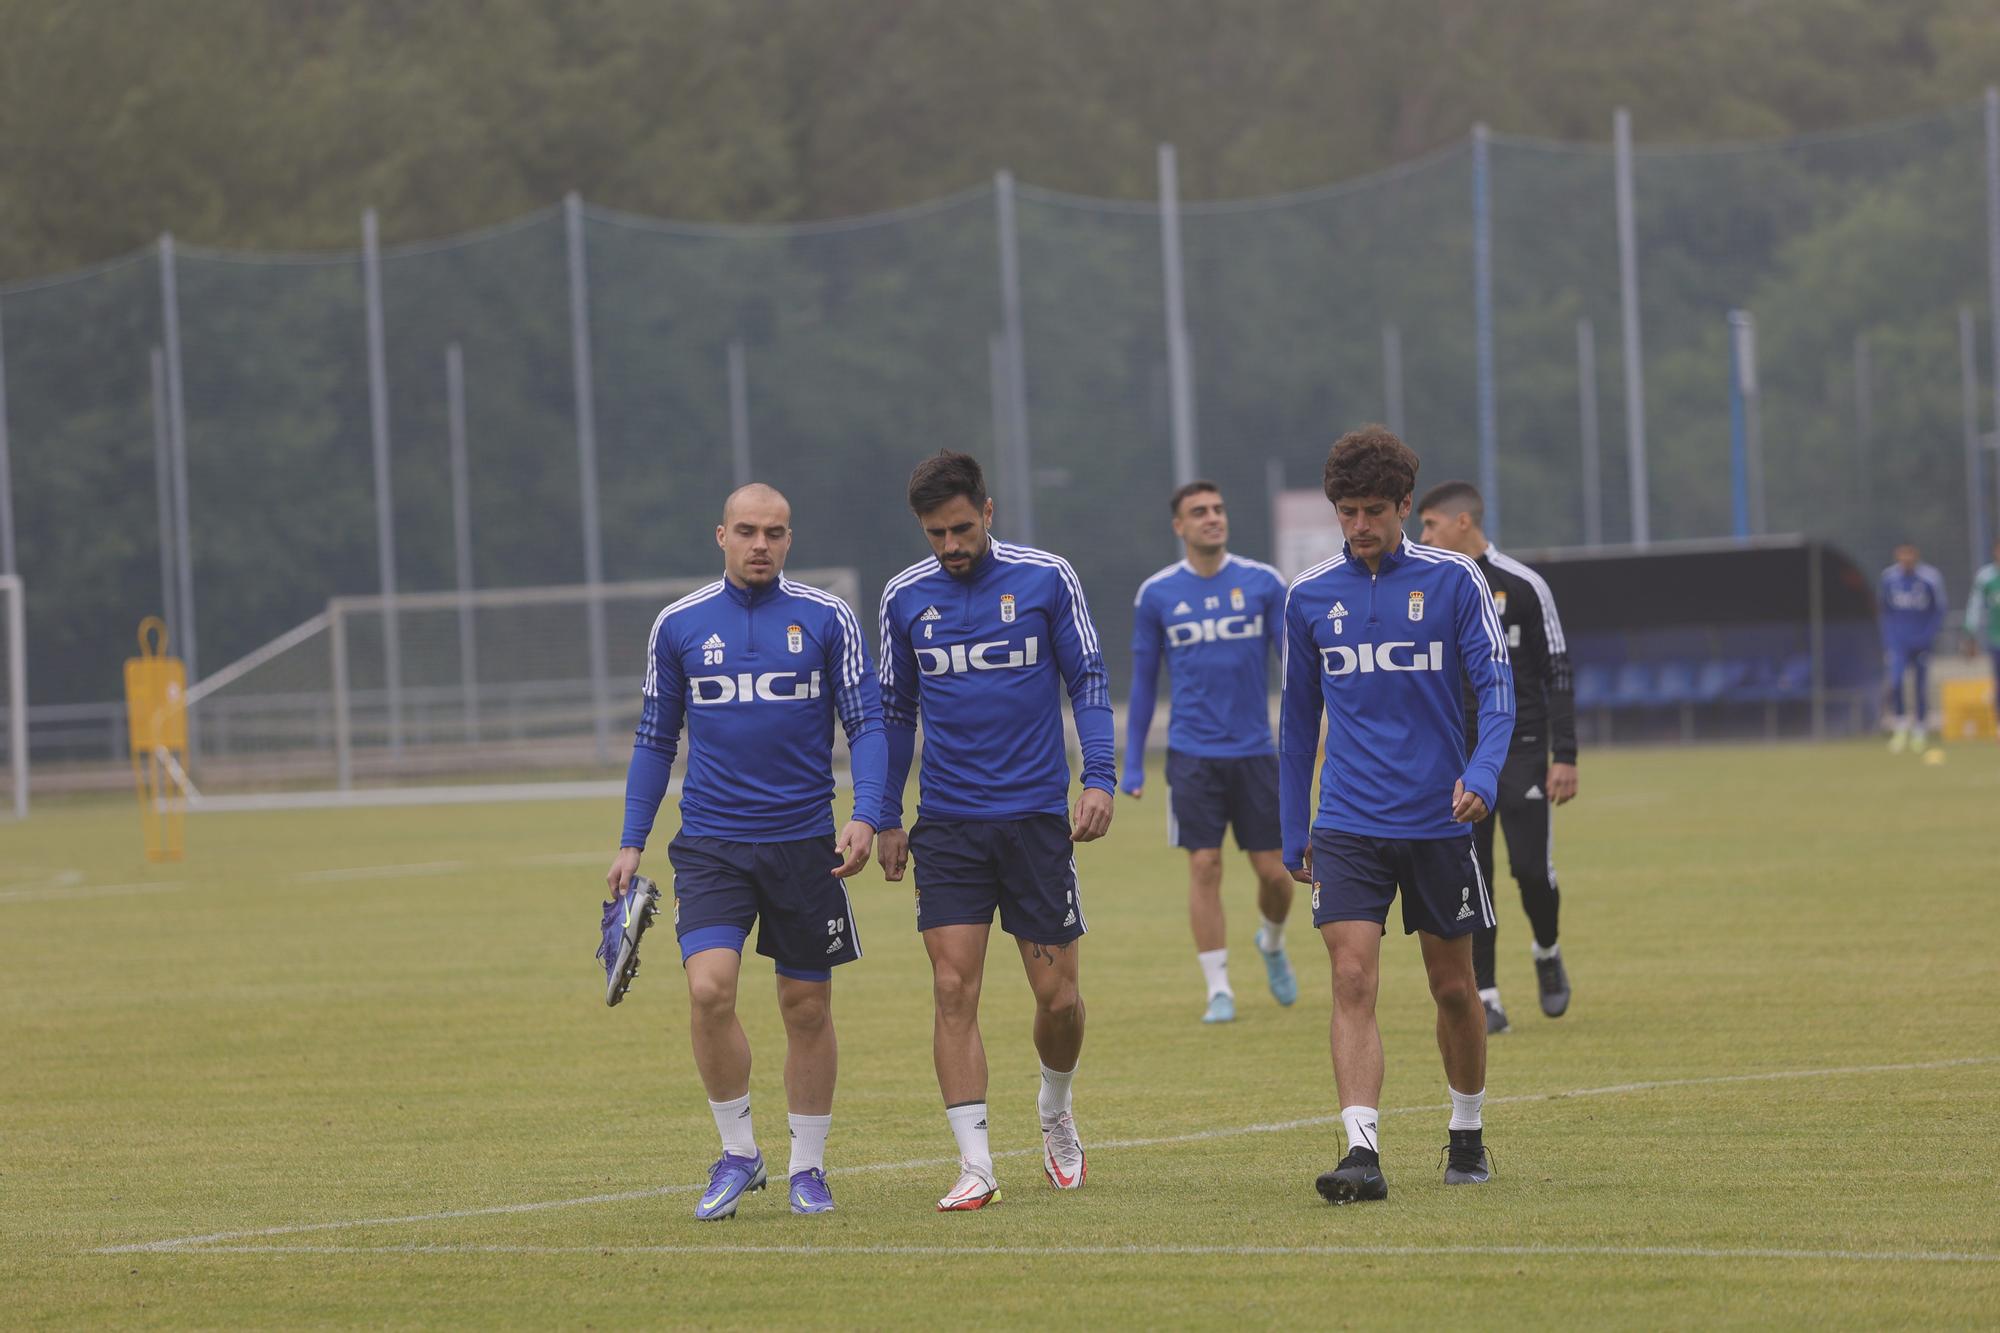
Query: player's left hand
[854, 844]
[1467, 807]
[1093, 815]
[1562, 783]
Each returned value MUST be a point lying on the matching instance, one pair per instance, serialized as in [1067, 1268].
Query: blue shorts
[1207, 795]
[787, 889]
[1025, 867]
[1355, 876]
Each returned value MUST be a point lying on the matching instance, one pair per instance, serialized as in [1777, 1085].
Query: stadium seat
[1676, 683]
[1718, 677]
[1595, 686]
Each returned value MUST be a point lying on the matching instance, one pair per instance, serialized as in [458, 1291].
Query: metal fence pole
[1628, 305]
[1022, 524]
[385, 516]
[343, 709]
[461, 534]
[170, 319]
[17, 700]
[7, 565]
[1975, 486]
[1586, 410]
[586, 456]
[1392, 378]
[1180, 367]
[163, 489]
[739, 412]
[1482, 317]
[1739, 451]
[1864, 422]
[1003, 430]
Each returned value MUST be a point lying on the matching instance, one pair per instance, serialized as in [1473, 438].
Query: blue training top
[1912, 606]
[1382, 655]
[984, 657]
[758, 675]
[1217, 635]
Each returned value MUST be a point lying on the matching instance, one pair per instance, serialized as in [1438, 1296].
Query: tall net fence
[636, 369]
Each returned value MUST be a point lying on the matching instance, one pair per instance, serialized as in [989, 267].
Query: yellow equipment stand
[156, 713]
[1968, 709]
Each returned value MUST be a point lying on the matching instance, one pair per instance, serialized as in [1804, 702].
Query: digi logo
[993, 655]
[771, 687]
[1341, 660]
[1186, 633]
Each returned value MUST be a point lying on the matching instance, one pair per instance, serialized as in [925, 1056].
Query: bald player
[757, 667]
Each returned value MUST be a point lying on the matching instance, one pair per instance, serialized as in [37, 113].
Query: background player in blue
[1215, 619]
[1376, 639]
[758, 667]
[1912, 597]
[980, 638]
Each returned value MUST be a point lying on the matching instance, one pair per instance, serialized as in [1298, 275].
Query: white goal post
[499, 686]
[14, 675]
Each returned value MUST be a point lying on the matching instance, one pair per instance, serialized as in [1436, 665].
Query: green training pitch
[354, 1067]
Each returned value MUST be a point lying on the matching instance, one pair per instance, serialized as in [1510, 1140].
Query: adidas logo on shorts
[1464, 904]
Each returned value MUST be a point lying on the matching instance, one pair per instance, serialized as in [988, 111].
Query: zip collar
[1394, 559]
[752, 596]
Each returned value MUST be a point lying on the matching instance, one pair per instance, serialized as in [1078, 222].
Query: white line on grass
[88, 891]
[377, 872]
[217, 1238]
[1041, 1251]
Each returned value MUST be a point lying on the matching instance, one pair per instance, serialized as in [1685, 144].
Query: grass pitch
[355, 1068]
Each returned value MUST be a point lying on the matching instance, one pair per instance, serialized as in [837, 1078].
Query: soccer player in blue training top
[1215, 618]
[1377, 638]
[1453, 515]
[758, 667]
[1912, 596]
[981, 638]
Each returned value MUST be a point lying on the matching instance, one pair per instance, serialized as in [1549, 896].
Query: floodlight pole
[1586, 408]
[1975, 488]
[163, 486]
[1628, 305]
[7, 565]
[1180, 367]
[1022, 524]
[586, 455]
[1993, 259]
[1392, 378]
[1482, 316]
[385, 513]
[739, 412]
[461, 534]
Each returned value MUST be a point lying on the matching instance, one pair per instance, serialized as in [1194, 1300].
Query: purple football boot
[625, 920]
[728, 1181]
[810, 1193]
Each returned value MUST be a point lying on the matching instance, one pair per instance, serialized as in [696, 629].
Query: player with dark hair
[980, 638]
[1544, 719]
[757, 667]
[1215, 617]
[1376, 640]
[1913, 605]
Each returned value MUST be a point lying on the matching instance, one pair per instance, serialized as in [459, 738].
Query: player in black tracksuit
[1532, 778]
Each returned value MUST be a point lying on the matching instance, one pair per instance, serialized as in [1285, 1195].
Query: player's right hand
[892, 849]
[1135, 791]
[1304, 874]
[623, 867]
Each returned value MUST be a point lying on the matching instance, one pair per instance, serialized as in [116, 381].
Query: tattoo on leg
[1046, 953]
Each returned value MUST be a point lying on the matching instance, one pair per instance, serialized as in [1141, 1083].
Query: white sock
[808, 1142]
[1055, 1094]
[732, 1121]
[1271, 935]
[1491, 995]
[968, 1126]
[1215, 967]
[1360, 1124]
[1465, 1108]
[1543, 955]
